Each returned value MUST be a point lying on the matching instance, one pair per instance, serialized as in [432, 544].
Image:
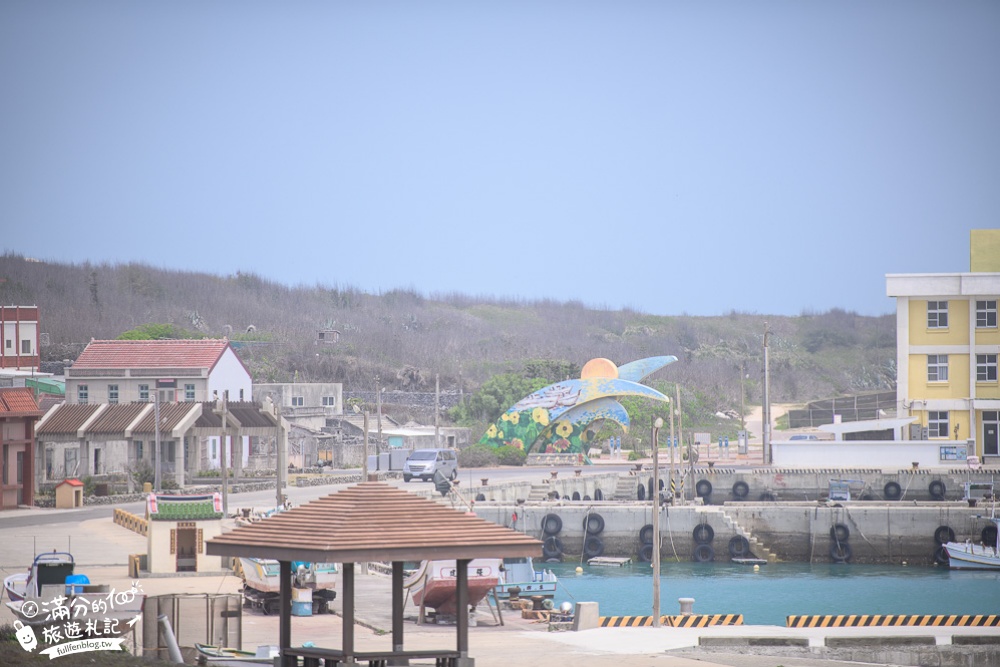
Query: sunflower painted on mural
[556, 419]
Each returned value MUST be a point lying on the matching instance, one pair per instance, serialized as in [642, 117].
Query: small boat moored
[520, 573]
[971, 556]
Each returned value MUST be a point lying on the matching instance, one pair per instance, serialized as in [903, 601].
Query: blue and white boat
[521, 573]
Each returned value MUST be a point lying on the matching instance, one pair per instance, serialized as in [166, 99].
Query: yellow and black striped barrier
[679, 621]
[133, 522]
[894, 620]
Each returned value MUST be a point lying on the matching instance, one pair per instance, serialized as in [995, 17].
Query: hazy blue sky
[675, 157]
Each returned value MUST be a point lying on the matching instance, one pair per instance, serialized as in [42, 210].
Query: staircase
[626, 487]
[538, 493]
[757, 548]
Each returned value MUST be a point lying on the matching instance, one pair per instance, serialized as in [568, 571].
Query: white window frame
[82, 393]
[986, 313]
[144, 393]
[298, 401]
[330, 401]
[112, 393]
[937, 424]
[986, 367]
[937, 314]
[188, 393]
[937, 367]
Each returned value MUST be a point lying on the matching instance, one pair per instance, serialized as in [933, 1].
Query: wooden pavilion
[373, 521]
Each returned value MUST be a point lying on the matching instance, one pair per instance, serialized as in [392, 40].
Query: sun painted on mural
[558, 419]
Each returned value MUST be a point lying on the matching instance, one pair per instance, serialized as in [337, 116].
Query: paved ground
[101, 549]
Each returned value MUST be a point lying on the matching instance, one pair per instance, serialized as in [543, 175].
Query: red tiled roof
[20, 400]
[101, 354]
[67, 418]
[71, 482]
[373, 521]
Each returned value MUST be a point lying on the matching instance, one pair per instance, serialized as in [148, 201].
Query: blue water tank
[75, 583]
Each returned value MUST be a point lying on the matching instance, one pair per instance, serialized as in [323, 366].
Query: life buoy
[704, 553]
[593, 547]
[944, 534]
[703, 533]
[552, 547]
[739, 546]
[989, 536]
[551, 524]
[640, 492]
[646, 553]
[741, 489]
[646, 534]
[576, 495]
[839, 532]
[840, 552]
[593, 524]
[598, 495]
[892, 491]
[936, 489]
[703, 488]
[941, 556]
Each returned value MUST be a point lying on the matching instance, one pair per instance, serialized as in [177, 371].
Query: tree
[495, 396]
[159, 332]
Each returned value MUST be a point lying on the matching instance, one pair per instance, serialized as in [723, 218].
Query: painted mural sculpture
[557, 419]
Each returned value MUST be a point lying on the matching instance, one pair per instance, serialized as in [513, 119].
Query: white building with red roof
[178, 371]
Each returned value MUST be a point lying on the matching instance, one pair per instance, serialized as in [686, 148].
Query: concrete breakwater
[579, 517]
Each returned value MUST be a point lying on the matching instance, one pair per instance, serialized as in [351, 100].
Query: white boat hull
[968, 556]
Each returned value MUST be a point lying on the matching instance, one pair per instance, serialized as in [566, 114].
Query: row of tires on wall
[840, 548]
[741, 490]
[945, 534]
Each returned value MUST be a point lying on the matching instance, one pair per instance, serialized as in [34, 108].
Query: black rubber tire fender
[646, 534]
[640, 492]
[598, 494]
[840, 552]
[703, 533]
[741, 490]
[703, 488]
[552, 547]
[944, 534]
[989, 536]
[768, 497]
[551, 524]
[839, 532]
[593, 547]
[703, 553]
[892, 491]
[937, 489]
[593, 524]
[480, 497]
[576, 495]
[739, 547]
[646, 553]
[941, 555]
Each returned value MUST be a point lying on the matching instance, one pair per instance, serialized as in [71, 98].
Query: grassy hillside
[405, 338]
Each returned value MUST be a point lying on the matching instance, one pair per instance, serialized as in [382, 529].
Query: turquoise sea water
[778, 590]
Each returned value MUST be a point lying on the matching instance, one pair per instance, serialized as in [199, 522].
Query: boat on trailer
[434, 585]
[520, 573]
[262, 585]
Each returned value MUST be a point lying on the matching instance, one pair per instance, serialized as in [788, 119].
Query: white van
[423, 463]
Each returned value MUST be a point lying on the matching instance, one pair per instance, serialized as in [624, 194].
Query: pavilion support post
[348, 612]
[397, 611]
[285, 611]
[462, 613]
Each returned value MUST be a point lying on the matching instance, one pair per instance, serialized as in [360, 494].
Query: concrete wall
[864, 453]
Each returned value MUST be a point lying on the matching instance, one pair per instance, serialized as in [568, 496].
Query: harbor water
[777, 590]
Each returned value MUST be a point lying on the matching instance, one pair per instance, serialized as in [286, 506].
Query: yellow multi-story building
[947, 344]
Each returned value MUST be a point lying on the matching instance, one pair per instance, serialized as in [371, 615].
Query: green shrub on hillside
[511, 456]
[478, 456]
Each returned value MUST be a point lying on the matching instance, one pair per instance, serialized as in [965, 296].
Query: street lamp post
[657, 424]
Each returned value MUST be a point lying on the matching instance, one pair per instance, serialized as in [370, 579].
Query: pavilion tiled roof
[247, 413]
[101, 354]
[19, 401]
[171, 414]
[117, 417]
[184, 508]
[373, 521]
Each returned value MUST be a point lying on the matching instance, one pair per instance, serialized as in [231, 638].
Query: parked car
[803, 436]
[423, 463]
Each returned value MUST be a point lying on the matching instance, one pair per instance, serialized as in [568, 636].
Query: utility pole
[364, 455]
[672, 448]
[657, 423]
[222, 408]
[378, 415]
[767, 403]
[437, 409]
[157, 474]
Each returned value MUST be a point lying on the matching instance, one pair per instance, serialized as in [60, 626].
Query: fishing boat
[52, 580]
[233, 657]
[262, 585]
[520, 573]
[434, 585]
[971, 556]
